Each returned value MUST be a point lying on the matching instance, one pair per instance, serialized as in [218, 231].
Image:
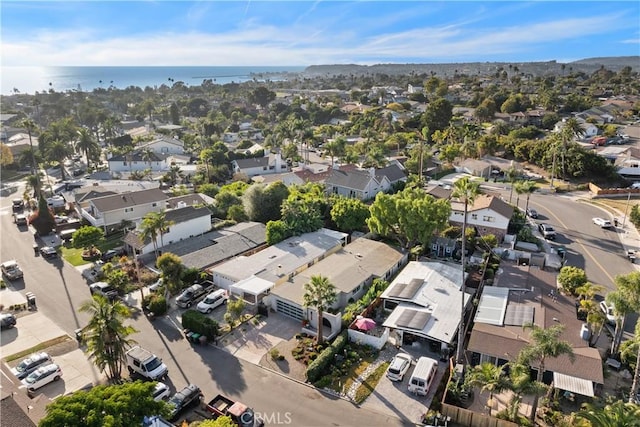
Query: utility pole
[553, 165]
[626, 209]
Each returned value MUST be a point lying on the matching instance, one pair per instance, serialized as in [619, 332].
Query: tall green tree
[545, 343]
[320, 294]
[466, 191]
[349, 214]
[409, 217]
[511, 174]
[120, 405]
[616, 414]
[31, 127]
[106, 335]
[86, 143]
[263, 203]
[58, 151]
[87, 236]
[172, 270]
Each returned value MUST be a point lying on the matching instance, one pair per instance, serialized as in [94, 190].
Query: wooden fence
[469, 418]
[612, 192]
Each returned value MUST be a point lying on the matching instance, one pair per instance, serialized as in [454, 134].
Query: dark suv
[17, 204]
[7, 320]
[184, 398]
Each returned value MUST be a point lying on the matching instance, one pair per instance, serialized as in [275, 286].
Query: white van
[423, 375]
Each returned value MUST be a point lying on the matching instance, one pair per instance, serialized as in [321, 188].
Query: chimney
[372, 172]
[278, 159]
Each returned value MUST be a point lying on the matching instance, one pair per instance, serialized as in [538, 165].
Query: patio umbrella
[365, 324]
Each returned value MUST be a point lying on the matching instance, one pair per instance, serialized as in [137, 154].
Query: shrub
[158, 305]
[199, 323]
[275, 354]
[570, 278]
[317, 367]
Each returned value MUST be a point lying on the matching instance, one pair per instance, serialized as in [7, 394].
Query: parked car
[603, 223]
[608, 312]
[112, 253]
[48, 252]
[192, 294]
[17, 205]
[211, 301]
[12, 270]
[161, 392]
[20, 219]
[399, 366]
[42, 376]
[155, 287]
[532, 213]
[30, 364]
[548, 232]
[183, 399]
[104, 289]
[7, 320]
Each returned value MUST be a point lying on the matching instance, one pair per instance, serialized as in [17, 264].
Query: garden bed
[348, 367]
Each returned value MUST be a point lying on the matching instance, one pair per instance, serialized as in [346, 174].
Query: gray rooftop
[281, 259]
[345, 269]
[353, 179]
[213, 247]
[129, 199]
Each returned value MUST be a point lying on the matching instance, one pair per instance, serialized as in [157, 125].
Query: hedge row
[199, 323]
[317, 367]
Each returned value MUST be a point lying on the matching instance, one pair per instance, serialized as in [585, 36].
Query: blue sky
[313, 32]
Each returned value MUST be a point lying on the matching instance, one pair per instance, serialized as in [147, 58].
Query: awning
[252, 285]
[573, 384]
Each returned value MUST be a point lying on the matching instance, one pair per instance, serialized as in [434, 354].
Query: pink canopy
[365, 324]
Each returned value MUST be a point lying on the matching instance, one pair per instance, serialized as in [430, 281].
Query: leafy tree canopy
[410, 217]
[87, 236]
[349, 214]
[122, 405]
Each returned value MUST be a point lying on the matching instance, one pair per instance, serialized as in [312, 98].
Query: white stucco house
[260, 165]
[163, 145]
[488, 215]
[111, 210]
[137, 161]
[188, 222]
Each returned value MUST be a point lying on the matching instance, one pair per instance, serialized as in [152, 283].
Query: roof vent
[182, 204]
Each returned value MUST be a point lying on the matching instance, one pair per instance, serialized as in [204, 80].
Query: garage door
[289, 309]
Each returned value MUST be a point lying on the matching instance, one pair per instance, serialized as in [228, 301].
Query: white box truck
[145, 364]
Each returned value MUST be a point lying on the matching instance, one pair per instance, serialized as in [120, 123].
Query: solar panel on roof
[518, 315]
[404, 290]
[413, 319]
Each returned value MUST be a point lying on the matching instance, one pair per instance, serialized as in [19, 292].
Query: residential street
[60, 290]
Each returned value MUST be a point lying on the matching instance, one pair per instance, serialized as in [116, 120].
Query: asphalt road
[60, 290]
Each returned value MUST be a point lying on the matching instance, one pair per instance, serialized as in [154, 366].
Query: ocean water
[62, 79]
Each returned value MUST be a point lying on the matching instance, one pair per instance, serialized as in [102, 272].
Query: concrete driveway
[254, 339]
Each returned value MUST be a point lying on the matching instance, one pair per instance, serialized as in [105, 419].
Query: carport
[252, 289]
[573, 384]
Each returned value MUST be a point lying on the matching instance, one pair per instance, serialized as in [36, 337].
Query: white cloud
[302, 44]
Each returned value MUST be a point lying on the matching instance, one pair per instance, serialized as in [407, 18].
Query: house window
[153, 205]
[474, 216]
[357, 289]
[128, 210]
[487, 218]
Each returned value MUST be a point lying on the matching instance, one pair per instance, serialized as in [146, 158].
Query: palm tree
[320, 294]
[595, 318]
[621, 307]
[147, 155]
[511, 174]
[465, 191]
[488, 377]
[33, 182]
[544, 343]
[615, 414]
[149, 230]
[630, 350]
[163, 224]
[106, 335]
[174, 173]
[58, 151]
[571, 130]
[528, 188]
[520, 384]
[30, 127]
[86, 143]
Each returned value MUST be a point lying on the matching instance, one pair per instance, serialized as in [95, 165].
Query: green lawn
[74, 256]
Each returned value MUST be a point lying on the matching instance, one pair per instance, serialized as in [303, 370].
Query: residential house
[137, 161]
[351, 270]
[217, 246]
[163, 145]
[110, 211]
[475, 167]
[589, 130]
[488, 215]
[187, 223]
[279, 262]
[601, 115]
[19, 142]
[526, 294]
[259, 165]
[629, 164]
[425, 300]
[356, 184]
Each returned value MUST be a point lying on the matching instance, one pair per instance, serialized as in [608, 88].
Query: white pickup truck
[145, 364]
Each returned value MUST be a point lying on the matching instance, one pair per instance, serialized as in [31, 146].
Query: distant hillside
[588, 66]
